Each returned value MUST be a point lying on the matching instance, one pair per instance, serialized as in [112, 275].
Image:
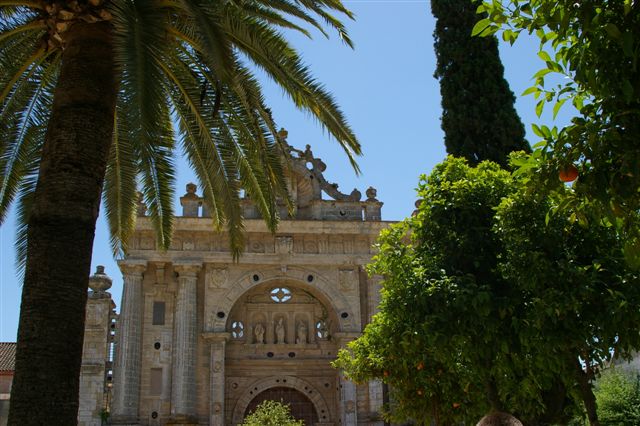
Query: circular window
[322, 331]
[280, 294]
[237, 329]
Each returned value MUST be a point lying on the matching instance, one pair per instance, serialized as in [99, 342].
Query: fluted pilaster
[126, 380]
[348, 391]
[183, 392]
[217, 342]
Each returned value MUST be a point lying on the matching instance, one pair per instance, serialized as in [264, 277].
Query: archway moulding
[336, 300]
[301, 385]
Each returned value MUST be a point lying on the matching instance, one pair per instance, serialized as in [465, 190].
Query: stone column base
[124, 421]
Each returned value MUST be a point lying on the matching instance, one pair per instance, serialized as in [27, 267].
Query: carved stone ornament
[350, 406]
[284, 245]
[316, 167]
[217, 278]
[346, 279]
[217, 366]
[99, 282]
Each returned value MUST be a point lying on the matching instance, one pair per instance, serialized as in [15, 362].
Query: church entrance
[301, 407]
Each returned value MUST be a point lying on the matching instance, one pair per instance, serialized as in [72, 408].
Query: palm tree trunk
[61, 230]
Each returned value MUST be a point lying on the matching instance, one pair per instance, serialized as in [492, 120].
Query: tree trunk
[586, 390]
[61, 230]
[493, 396]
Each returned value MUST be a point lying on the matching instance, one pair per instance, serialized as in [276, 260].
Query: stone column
[126, 374]
[183, 390]
[216, 377]
[375, 386]
[95, 352]
[348, 395]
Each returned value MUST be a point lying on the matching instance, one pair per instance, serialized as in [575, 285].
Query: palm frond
[258, 137]
[245, 118]
[10, 9]
[268, 49]
[120, 189]
[292, 9]
[270, 16]
[141, 43]
[157, 176]
[24, 120]
[28, 27]
[25, 201]
[201, 21]
[205, 150]
[30, 166]
[20, 53]
[319, 8]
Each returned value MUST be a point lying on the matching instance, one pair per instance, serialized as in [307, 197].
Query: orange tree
[594, 46]
[485, 306]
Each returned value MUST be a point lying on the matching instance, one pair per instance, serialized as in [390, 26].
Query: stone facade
[202, 339]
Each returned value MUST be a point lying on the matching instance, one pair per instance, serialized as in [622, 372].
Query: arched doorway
[301, 407]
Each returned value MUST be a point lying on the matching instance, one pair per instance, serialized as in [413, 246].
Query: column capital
[132, 266]
[187, 267]
[218, 337]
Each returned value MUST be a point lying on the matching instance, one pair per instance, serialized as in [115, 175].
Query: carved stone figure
[258, 331]
[280, 331]
[301, 338]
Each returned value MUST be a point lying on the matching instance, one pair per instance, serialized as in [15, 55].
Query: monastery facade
[202, 340]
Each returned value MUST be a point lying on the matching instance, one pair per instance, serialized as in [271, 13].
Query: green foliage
[188, 63]
[478, 118]
[487, 302]
[594, 45]
[618, 395]
[271, 413]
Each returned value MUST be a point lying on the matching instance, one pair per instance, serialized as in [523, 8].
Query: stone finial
[141, 207]
[190, 201]
[371, 194]
[417, 204]
[99, 282]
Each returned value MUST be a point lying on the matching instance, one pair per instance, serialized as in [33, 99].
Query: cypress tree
[478, 114]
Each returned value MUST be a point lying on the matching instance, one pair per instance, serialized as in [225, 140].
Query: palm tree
[89, 93]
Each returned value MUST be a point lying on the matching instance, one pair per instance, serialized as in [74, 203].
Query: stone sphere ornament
[499, 419]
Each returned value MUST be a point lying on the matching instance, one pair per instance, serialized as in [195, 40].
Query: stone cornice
[201, 224]
[216, 337]
[256, 258]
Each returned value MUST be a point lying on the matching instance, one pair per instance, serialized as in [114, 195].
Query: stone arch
[335, 299]
[301, 385]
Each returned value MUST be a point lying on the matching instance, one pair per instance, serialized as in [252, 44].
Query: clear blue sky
[387, 90]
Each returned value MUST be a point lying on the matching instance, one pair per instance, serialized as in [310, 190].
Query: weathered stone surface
[201, 338]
